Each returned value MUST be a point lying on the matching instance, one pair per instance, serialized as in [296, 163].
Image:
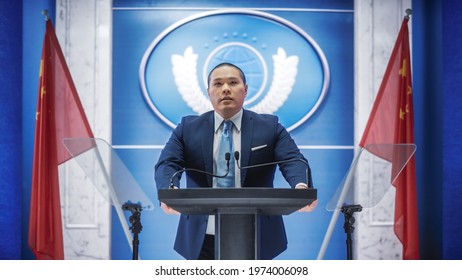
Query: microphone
[227, 158]
[309, 181]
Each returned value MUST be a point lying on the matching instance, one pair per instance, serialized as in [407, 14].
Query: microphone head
[227, 156]
[236, 155]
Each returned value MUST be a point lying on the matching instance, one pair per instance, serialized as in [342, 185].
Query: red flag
[392, 122]
[59, 115]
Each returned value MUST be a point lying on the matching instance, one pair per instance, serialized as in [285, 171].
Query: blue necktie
[225, 146]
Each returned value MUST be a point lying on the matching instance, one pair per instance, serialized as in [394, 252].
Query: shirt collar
[236, 119]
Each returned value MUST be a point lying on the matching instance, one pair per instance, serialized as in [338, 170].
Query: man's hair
[227, 64]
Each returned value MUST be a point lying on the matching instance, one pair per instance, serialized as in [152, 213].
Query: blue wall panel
[322, 137]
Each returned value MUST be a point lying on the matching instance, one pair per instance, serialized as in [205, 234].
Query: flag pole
[408, 13]
[45, 14]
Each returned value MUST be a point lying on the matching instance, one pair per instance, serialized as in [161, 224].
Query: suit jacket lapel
[207, 145]
[247, 128]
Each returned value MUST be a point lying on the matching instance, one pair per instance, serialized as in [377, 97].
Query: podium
[237, 213]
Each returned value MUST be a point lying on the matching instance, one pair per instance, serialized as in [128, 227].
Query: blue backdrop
[436, 77]
[145, 37]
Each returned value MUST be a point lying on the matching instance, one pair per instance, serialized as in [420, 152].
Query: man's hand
[168, 210]
[309, 207]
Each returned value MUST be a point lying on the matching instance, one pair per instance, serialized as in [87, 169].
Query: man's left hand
[309, 207]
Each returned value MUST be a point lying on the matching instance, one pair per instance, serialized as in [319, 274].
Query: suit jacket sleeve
[190, 146]
[285, 149]
[170, 160]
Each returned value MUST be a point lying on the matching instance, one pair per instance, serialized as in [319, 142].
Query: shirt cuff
[301, 186]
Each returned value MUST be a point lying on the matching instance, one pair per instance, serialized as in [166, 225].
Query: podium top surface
[269, 201]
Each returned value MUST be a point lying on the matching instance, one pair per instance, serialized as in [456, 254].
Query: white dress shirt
[236, 134]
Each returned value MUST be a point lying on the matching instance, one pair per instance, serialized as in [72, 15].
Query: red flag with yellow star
[59, 115]
[392, 122]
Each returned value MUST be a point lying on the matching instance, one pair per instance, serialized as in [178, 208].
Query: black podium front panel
[237, 211]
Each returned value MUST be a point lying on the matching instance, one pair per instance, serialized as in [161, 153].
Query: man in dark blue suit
[259, 138]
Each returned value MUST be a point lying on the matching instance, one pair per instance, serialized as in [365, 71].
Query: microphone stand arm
[309, 181]
[227, 158]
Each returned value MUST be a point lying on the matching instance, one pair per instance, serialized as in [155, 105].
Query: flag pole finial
[45, 13]
[408, 13]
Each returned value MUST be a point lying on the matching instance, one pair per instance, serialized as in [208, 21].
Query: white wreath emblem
[185, 74]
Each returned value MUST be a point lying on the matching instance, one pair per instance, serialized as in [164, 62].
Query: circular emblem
[287, 73]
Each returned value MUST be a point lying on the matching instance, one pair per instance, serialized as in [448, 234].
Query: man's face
[227, 91]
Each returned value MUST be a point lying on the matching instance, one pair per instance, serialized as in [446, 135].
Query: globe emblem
[246, 58]
[286, 71]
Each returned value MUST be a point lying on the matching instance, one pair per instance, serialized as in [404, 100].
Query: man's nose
[226, 88]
